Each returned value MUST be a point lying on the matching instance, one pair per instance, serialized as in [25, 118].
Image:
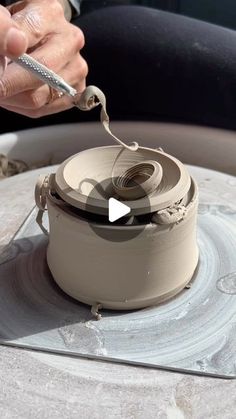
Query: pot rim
[66, 209]
[138, 207]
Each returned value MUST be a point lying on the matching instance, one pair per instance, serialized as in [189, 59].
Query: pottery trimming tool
[91, 97]
[46, 75]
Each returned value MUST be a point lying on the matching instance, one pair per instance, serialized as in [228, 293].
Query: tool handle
[46, 75]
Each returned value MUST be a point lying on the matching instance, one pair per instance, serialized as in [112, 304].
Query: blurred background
[221, 12]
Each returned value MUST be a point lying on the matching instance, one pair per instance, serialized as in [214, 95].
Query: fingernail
[15, 42]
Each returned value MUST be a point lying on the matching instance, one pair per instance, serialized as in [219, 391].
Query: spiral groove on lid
[149, 179]
[139, 180]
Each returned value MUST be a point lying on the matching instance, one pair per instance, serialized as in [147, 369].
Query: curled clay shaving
[171, 215]
[10, 167]
[91, 97]
[95, 311]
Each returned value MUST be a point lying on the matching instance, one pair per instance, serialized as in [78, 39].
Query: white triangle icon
[117, 210]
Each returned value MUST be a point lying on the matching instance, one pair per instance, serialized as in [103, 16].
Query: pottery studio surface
[34, 383]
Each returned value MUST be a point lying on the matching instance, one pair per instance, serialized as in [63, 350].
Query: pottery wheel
[193, 332]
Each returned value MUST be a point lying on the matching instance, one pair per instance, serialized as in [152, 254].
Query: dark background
[221, 12]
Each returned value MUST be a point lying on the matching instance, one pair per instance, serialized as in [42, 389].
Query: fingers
[36, 19]
[39, 19]
[74, 74]
[52, 41]
[13, 42]
[33, 103]
[53, 54]
[59, 105]
[32, 99]
[5, 11]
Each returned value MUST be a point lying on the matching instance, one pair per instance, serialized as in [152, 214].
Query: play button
[117, 210]
[117, 223]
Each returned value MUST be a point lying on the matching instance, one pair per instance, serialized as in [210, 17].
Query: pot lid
[88, 179]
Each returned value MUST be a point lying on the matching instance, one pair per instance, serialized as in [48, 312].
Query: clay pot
[120, 266]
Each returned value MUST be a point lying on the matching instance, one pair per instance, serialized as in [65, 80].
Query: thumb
[13, 42]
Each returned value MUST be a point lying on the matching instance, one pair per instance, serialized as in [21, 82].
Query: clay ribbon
[91, 97]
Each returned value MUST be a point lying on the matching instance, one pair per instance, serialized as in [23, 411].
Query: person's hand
[55, 43]
[12, 41]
